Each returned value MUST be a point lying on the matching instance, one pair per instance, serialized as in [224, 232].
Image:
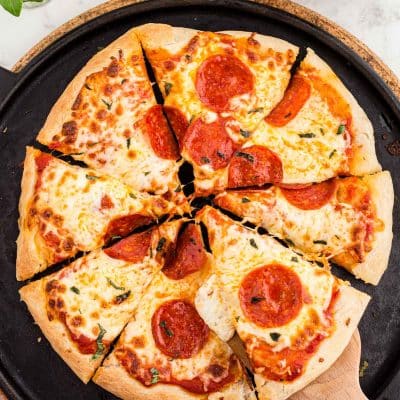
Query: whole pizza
[150, 290]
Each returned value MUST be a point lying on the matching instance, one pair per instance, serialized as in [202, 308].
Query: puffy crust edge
[56, 333]
[348, 312]
[113, 377]
[376, 262]
[30, 259]
[364, 159]
[58, 113]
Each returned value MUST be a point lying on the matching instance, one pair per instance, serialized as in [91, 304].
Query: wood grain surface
[332, 380]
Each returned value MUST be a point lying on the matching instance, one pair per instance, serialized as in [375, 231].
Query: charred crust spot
[32, 212]
[77, 102]
[321, 360]
[50, 285]
[51, 303]
[50, 316]
[59, 303]
[348, 320]
[70, 131]
[191, 47]
[113, 68]
[216, 370]
[46, 214]
[68, 244]
[120, 54]
[253, 42]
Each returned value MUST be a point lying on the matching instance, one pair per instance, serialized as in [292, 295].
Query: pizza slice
[65, 209]
[347, 220]
[167, 351]
[217, 88]
[83, 307]
[293, 317]
[317, 131]
[108, 117]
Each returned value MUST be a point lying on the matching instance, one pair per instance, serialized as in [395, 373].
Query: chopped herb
[88, 87]
[133, 196]
[247, 156]
[205, 160]
[91, 144]
[128, 143]
[253, 243]
[160, 244]
[108, 105]
[289, 241]
[341, 129]
[178, 189]
[244, 133]
[154, 375]
[363, 368]
[255, 299]
[308, 135]
[191, 119]
[255, 110]
[167, 87]
[151, 252]
[337, 237]
[332, 153]
[275, 336]
[322, 131]
[320, 242]
[76, 154]
[75, 290]
[146, 173]
[245, 200]
[320, 264]
[237, 318]
[294, 259]
[123, 81]
[188, 57]
[167, 331]
[221, 155]
[110, 282]
[122, 297]
[92, 177]
[99, 342]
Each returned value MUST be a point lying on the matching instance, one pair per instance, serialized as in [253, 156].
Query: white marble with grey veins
[375, 22]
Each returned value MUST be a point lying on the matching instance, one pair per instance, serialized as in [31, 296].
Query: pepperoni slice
[254, 166]
[178, 122]
[161, 138]
[296, 95]
[271, 295]
[132, 249]
[178, 329]
[121, 226]
[220, 78]
[189, 255]
[106, 202]
[209, 143]
[42, 161]
[311, 197]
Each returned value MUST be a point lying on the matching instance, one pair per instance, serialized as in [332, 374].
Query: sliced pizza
[83, 307]
[167, 351]
[217, 87]
[108, 117]
[293, 317]
[65, 209]
[317, 131]
[347, 220]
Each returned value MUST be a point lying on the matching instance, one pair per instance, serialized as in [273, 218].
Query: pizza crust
[60, 112]
[31, 258]
[376, 262]
[348, 311]
[113, 377]
[56, 333]
[364, 159]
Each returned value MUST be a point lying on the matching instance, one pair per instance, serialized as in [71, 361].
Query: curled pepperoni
[121, 226]
[178, 329]
[161, 138]
[189, 255]
[220, 78]
[132, 249]
[178, 122]
[296, 95]
[254, 166]
[209, 143]
[271, 295]
[42, 161]
[311, 197]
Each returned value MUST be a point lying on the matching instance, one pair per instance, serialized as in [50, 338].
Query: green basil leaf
[14, 7]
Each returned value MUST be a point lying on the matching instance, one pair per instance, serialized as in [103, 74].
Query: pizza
[167, 347]
[158, 287]
[293, 317]
[65, 209]
[347, 220]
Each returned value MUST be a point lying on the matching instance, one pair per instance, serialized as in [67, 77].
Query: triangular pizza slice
[65, 209]
[83, 307]
[293, 317]
[217, 87]
[167, 351]
[108, 117]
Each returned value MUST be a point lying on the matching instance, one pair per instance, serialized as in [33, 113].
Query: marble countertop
[376, 23]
